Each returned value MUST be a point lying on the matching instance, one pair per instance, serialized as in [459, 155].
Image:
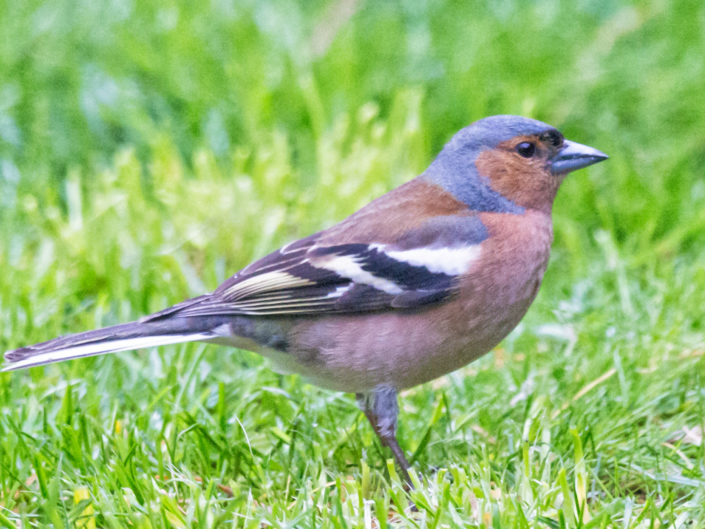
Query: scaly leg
[381, 409]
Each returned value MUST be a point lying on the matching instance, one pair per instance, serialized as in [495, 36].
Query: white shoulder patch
[450, 261]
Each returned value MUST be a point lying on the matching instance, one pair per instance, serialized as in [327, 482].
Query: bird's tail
[124, 337]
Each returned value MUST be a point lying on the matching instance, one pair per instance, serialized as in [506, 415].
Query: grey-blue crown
[491, 131]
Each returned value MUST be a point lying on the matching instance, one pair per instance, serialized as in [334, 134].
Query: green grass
[148, 151]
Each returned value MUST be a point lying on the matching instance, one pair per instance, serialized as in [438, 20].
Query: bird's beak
[573, 156]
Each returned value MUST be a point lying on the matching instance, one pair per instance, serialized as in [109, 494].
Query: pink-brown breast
[355, 353]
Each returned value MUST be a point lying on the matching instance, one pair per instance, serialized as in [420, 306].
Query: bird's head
[508, 163]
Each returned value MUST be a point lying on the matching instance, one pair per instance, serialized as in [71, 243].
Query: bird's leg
[381, 409]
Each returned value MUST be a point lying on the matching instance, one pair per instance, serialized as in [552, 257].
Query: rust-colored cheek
[524, 181]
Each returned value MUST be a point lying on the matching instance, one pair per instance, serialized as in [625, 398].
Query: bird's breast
[514, 258]
[499, 289]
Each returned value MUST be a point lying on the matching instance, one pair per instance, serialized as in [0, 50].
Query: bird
[416, 284]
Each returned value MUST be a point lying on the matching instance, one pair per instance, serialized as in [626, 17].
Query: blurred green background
[149, 149]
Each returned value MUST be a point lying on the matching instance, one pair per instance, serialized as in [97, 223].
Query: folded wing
[309, 277]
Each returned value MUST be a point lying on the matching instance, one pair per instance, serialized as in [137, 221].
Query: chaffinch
[418, 283]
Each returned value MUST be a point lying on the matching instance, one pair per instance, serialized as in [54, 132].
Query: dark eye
[526, 149]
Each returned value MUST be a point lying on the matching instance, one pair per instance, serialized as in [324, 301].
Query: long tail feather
[122, 337]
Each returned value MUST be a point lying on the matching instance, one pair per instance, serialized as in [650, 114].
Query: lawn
[148, 150]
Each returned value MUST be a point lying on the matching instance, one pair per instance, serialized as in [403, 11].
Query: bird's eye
[526, 149]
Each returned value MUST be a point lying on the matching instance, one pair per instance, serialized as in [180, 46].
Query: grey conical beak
[573, 156]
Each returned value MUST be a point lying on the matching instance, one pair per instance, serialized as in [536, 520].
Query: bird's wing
[314, 276]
